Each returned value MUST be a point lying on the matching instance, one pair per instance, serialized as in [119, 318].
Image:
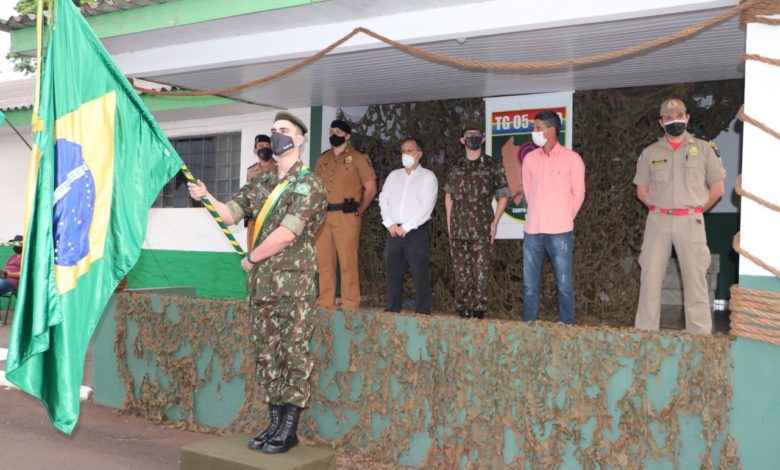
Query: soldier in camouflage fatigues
[473, 182]
[281, 279]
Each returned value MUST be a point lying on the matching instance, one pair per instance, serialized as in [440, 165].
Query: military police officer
[290, 206]
[474, 180]
[678, 178]
[350, 183]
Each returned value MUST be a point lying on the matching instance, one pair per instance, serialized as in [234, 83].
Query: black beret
[339, 124]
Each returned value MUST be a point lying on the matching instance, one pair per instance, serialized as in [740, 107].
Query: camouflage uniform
[282, 290]
[472, 185]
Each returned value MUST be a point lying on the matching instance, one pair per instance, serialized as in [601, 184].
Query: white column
[760, 226]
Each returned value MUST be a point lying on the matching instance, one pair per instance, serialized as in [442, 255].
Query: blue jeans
[560, 248]
[6, 287]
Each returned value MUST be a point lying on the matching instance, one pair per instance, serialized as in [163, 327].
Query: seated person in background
[9, 276]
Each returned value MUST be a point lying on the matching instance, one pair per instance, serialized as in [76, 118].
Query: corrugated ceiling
[386, 75]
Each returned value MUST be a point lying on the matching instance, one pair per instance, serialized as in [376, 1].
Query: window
[214, 159]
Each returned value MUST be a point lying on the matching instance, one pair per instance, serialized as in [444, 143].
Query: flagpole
[213, 211]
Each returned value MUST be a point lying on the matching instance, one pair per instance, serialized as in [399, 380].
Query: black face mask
[676, 128]
[281, 143]
[473, 142]
[18, 250]
[265, 154]
[336, 140]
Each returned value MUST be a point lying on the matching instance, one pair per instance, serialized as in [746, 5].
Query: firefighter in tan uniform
[350, 183]
[678, 178]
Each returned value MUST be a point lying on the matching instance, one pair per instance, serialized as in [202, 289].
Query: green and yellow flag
[98, 163]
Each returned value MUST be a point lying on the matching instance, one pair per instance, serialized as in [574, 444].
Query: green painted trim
[167, 103]
[163, 15]
[315, 136]
[219, 274]
[155, 103]
[768, 283]
[755, 416]
[18, 117]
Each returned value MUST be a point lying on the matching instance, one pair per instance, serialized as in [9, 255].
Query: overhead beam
[458, 22]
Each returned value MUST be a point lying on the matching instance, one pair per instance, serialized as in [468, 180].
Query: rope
[477, 64]
[753, 197]
[758, 10]
[745, 118]
[761, 58]
[755, 314]
[738, 248]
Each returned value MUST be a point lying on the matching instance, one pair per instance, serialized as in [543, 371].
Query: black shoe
[286, 437]
[464, 313]
[478, 314]
[275, 413]
[423, 313]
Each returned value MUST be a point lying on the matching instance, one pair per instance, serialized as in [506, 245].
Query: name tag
[659, 162]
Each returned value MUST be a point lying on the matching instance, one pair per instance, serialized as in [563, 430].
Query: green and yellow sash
[270, 203]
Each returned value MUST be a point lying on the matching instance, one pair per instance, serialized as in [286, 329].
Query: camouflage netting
[463, 390]
[611, 127]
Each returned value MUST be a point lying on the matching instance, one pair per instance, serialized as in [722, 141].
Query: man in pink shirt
[554, 188]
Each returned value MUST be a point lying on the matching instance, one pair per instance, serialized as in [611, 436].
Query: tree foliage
[23, 63]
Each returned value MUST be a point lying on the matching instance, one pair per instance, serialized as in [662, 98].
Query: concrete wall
[349, 389]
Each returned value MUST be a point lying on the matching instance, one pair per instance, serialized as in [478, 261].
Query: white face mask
[538, 138]
[408, 161]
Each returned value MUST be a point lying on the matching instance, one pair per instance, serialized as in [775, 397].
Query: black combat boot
[480, 314]
[464, 313]
[275, 413]
[286, 437]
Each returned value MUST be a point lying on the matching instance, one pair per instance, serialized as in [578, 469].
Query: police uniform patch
[694, 151]
[302, 189]
[715, 148]
[348, 159]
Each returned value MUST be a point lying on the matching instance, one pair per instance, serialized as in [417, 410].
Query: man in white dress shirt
[407, 201]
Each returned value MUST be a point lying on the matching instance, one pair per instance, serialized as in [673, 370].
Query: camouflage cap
[672, 106]
[287, 116]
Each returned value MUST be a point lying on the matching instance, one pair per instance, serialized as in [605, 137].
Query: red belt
[696, 210]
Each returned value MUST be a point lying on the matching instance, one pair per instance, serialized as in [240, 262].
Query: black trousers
[410, 252]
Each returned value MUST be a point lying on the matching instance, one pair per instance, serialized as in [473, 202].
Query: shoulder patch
[302, 188]
[715, 148]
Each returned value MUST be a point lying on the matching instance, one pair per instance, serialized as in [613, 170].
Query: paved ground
[101, 441]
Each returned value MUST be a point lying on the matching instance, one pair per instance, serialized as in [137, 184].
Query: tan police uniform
[337, 243]
[678, 182]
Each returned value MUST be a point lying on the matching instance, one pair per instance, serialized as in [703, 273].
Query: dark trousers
[410, 251]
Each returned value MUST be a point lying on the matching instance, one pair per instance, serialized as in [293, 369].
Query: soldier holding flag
[289, 206]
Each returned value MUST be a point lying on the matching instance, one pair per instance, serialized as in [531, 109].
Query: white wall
[168, 229]
[14, 163]
[760, 225]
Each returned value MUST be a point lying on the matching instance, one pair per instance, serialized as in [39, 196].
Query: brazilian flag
[98, 163]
